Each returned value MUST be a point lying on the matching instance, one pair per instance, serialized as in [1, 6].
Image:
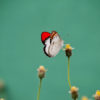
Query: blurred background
[21, 50]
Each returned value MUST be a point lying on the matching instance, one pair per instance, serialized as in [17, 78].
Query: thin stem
[69, 72]
[38, 95]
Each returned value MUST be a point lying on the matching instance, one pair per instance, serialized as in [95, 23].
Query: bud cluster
[97, 95]
[68, 50]
[41, 72]
[74, 92]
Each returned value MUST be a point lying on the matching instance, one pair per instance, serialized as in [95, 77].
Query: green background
[21, 50]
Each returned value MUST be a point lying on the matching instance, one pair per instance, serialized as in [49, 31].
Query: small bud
[74, 92]
[84, 98]
[97, 95]
[41, 72]
[68, 50]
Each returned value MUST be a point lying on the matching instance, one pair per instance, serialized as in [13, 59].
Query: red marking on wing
[44, 36]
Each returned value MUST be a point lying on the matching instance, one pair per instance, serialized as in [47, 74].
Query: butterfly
[52, 43]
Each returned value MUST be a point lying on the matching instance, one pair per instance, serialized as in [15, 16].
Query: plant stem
[69, 72]
[38, 95]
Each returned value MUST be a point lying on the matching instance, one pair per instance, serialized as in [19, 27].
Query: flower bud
[97, 95]
[84, 98]
[41, 72]
[68, 50]
[74, 92]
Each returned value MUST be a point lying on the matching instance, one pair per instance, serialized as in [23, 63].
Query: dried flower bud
[68, 50]
[97, 95]
[41, 72]
[84, 98]
[74, 92]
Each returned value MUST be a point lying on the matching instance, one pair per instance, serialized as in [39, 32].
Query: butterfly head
[53, 35]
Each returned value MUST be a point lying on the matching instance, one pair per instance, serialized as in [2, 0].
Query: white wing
[47, 45]
[55, 46]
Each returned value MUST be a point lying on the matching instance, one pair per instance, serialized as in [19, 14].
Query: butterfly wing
[55, 46]
[46, 47]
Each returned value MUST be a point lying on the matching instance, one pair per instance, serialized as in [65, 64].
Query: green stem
[69, 72]
[38, 95]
